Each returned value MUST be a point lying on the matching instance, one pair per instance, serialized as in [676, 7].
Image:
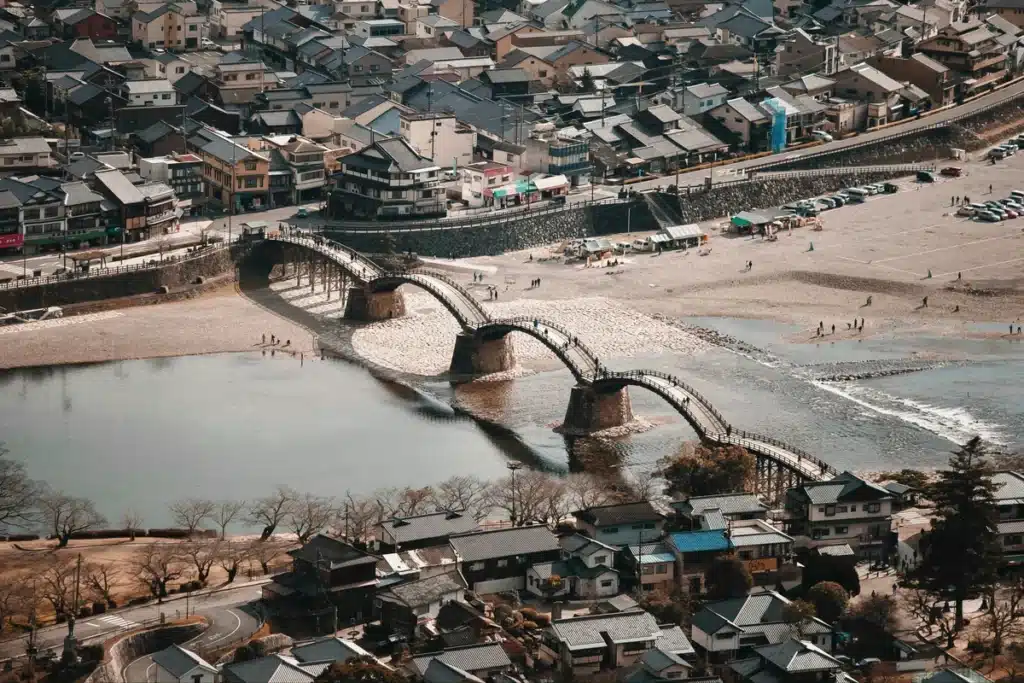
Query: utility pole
[512, 466]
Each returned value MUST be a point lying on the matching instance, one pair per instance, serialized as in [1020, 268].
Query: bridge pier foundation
[592, 411]
[372, 306]
[474, 356]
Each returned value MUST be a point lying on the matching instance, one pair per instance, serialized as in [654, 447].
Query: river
[140, 434]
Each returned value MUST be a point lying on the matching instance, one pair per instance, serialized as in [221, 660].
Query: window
[476, 566]
[502, 563]
[542, 73]
[1012, 539]
[648, 525]
[250, 77]
[853, 508]
[612, 530]
[637, 526]
[660, 568]
[649, 569]
[250, 166]
[607, 583]
[427, 194]
[841, 509]
[5, 58]
[601, 559]
[818, 533]
[192, 28]
[422, 609]
[51, 212]
[873, 507]
[251, 182]
[375, 68]
[166, 96]
[31, 213]
[397, 194]
[179, 70]
[357, 68]
[830, 510]
[510, 157]
[842, 530]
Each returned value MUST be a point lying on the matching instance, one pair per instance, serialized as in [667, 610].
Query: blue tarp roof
[700, 541]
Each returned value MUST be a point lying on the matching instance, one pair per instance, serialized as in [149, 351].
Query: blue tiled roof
[699, 541]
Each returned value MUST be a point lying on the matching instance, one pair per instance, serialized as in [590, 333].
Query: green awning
[113, 230]
[1013, 559]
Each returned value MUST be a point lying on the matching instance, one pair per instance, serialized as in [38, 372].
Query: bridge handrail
[445, 299]
[451, 282]
[705, 403]
[325, 246]
[516, 320]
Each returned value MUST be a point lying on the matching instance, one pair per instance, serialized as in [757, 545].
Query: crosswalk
[115, 621]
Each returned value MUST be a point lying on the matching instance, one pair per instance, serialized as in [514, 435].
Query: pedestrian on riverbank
[833, 328]
[264, 338]
[924, 302]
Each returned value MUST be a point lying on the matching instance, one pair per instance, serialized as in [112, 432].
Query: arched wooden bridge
[779, 464]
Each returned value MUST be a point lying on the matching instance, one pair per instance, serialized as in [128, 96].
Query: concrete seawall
[64, 292]
[131, 647]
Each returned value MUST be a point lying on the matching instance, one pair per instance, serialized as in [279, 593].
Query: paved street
[231, 614]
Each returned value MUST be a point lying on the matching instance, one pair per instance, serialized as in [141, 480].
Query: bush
[85, 612]
[530, 625]
[99, 607]
[105, 533]
[61, 618]
[180, 533]
[139, 600]
[91, 653]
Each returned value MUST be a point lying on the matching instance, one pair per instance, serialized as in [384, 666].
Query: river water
[140, 434]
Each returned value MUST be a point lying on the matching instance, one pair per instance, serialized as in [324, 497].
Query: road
[229, 620]
[694, 178]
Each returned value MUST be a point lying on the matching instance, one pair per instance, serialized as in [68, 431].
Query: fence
[109, 272]
[841, 170]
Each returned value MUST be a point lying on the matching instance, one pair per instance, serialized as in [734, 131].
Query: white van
[858, 194]
[642, 245]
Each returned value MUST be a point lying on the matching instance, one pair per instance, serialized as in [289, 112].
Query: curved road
[228, 624]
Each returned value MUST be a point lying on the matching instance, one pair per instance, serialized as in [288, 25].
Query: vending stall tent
[750, 222]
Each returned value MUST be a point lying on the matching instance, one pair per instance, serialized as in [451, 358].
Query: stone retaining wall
[131, 647]
[65, 292]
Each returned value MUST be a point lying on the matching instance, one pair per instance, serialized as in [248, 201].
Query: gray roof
[839, 488]
[79, 193]
[842, 550]
[627, 513]
[590, 631]
[508, 76]
[433, 525]
[747, 110]
[727, 504]
[486, 545]
[275, 669]
[327, 650]
[36, 145]
[424, 591]
[1010, 487]
[756, 613]
[179, 661]
[442, 672]
[119, 186]
[702, 90]
[228, 151]
[674, 641]
[659, 660]
[795, 656]
[469, 658]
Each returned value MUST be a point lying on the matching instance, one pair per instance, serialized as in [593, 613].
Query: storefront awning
[551, 182]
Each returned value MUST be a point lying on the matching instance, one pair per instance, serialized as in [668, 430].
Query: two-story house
[700, 98]
[587, 572]
[388, 179]
[622, 523]
[650, 565]
[1010, 500]
[882, 94]
[791, 661]
[422, 531]
[38, 217]
[482, 661]
[401, 608]
[304, 160]
[731, 629]
[147, 210]
[169, 26]
[234, 175]
[977, 53]
[694, 552]
[588, 644]
[156, 91]
[496, 561]
[844, 510]
[183, 172]
[89, 216]
[179, 665]
[11, 234]
[326, 573]
[923, 71]
[21, 154]
[714, 512]
[439, 136]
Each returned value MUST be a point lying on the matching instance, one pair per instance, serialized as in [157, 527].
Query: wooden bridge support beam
[370, 306]
[474, 356]
[592, 411]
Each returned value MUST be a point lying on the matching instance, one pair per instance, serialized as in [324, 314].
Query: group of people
[534, 283]
[275, 340]
[749, 265]
[963, 201]
[850, 326]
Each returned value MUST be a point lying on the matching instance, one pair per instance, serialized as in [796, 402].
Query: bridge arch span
[574, 354]
[463, 306]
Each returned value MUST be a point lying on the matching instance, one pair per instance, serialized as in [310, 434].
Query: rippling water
[140, 434]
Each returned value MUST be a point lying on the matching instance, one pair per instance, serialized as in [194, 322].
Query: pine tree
[960, 555]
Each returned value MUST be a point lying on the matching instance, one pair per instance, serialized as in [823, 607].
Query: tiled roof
[841, 550]
[179, 661]
[590, 631]
[652, 553]
[325, 548]
[756, 613]
[424, 591]
[442, 672]
[1011, 527]
[700, 541]
[485, 545]
[433, 525]
[795, 656]
[839, 487]
[705, 90]
[727, 504]
[470, 658]
[611, 515]
[1010, 487]
[673, 640]
[746, 533]
[328, 649]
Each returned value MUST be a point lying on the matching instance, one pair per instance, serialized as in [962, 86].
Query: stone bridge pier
[475, 356]
[591, 410]
[368, 306]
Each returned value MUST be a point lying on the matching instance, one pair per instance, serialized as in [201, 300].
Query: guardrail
[109, 272]
[452, 306]
[495, 218]
[842, 170]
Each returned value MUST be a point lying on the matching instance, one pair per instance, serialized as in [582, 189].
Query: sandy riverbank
[220, 321]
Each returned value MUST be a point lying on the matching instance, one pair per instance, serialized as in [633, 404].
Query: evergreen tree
[960, 555]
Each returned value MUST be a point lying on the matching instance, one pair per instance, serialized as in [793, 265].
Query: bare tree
[924, 606]
[202, 554]
[156, 565]
[132, 521]
[225, 512]
[588, 490]
[18, 493]
[462, 492]
[266, 553]
[311, 515]
[272, 510]
[230, 557]
[355, 518]
[67, 515]
[529, 498]
[101, 580]
[1003, 620]
[404, 502]
[192, 512]
[58, 585]
[15, 597]
[645, 485]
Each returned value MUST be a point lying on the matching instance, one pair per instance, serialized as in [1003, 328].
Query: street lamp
[512, 466]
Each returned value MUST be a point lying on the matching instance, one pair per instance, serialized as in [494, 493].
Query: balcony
[161, 217]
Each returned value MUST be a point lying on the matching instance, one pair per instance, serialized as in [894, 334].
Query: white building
[440, 137]
[178, 665]
[157, 91]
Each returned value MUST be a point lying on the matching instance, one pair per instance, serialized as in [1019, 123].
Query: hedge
[182, 533]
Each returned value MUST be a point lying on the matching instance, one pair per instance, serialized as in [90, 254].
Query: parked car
[997, 153]
[302, 213]
[987, 216]
[839, 199]
[821, 135]
[952, 171]
[1010, 213]
[925, 177]
[890, 188]
[965, 211]
[1017, 194]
